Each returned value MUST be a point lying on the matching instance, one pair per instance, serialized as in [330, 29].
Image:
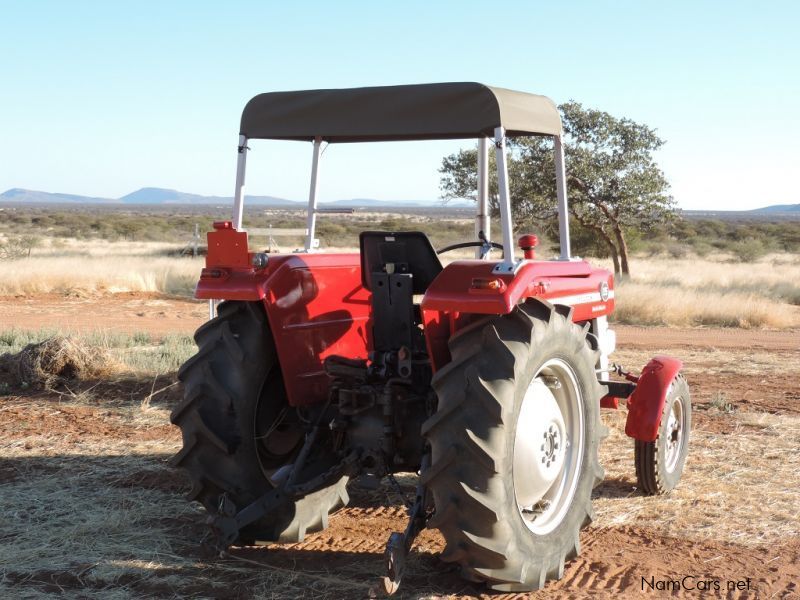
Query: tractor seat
[399, 252]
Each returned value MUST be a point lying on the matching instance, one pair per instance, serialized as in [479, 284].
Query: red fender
[646, 403]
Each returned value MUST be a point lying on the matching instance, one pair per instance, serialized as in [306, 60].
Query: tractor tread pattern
[650, 477]
[235, 350]
[466, 434]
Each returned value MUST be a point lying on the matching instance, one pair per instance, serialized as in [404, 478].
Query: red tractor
[486, 377]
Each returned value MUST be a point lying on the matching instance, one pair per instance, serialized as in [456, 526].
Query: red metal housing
[462, 292]
[646, 403]
[317, 307]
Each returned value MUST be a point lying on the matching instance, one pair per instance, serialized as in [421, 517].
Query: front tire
[514, 446]
[238, 428]
[659, 464]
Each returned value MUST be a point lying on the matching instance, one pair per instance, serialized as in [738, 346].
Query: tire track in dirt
[615, 562]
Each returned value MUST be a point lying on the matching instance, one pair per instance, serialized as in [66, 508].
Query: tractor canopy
[401, 112]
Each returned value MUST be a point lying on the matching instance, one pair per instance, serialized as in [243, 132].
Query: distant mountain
[151, 195]
[779, 208]
[33, 196]
[372, 203]
[158, 196]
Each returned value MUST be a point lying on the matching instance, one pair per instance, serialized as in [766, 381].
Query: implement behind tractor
[324, 368]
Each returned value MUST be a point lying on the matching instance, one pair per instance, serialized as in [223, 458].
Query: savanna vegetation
[689, 272]
[23, 230]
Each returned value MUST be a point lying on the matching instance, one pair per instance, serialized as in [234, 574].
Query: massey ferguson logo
[604, 291]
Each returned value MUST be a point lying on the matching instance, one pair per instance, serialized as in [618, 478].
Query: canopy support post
[508, 265]
[238, 193]
[311, 221]
[482, 219]
[561, 193]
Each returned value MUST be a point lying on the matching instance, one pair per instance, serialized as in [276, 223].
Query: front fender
[646, 403]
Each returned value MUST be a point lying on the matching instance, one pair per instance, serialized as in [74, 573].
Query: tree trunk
[623, 249]
[612, 249]
[615, 259]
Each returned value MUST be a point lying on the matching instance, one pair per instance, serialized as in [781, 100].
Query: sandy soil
[155, 313]
[128, 312]
[746, 394]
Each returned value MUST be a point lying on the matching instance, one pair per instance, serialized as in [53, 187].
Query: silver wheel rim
[674, 434]
[548, 447]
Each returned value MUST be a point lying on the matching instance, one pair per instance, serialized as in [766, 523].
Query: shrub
[677, 250]
[701, 248]
[747, 250]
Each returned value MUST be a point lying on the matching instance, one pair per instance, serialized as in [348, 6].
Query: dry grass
[79, 275]
[714, 291]
[41, 358]
[75, 268]
[67, 512]
[750, 476]
[639, 303]
[53, 359]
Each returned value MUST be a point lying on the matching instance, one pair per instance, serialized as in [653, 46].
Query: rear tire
[659, 464]
[237, 426]
[479, 435]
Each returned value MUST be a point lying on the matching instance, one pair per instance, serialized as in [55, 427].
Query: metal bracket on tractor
[399, 544]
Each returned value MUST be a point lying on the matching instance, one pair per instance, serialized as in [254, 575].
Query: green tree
[613, 182]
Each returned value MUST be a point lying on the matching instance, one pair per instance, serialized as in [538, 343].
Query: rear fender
[646, 403]
[472, 286]
[467, 290]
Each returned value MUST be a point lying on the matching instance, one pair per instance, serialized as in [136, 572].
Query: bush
[677, 250]
[18, 247]
[701, 248]
[747, 250]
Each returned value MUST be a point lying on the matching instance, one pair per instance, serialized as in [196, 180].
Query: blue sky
[101, 98]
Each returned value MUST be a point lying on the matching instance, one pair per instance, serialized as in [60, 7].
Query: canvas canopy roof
[402, 112]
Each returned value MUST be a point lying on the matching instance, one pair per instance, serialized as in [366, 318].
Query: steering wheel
[482, 244]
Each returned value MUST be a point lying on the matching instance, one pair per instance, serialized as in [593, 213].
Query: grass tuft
[55, 359]
[39, 358]
[719, 400]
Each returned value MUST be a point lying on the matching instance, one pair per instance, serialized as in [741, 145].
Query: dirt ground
[92, 510]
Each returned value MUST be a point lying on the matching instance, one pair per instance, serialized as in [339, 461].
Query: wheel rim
[548, 446]
[674, 434]
[276, 433]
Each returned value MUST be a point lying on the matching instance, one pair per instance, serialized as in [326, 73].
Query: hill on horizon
[159, 196]
[779, 208]
[165, 196]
